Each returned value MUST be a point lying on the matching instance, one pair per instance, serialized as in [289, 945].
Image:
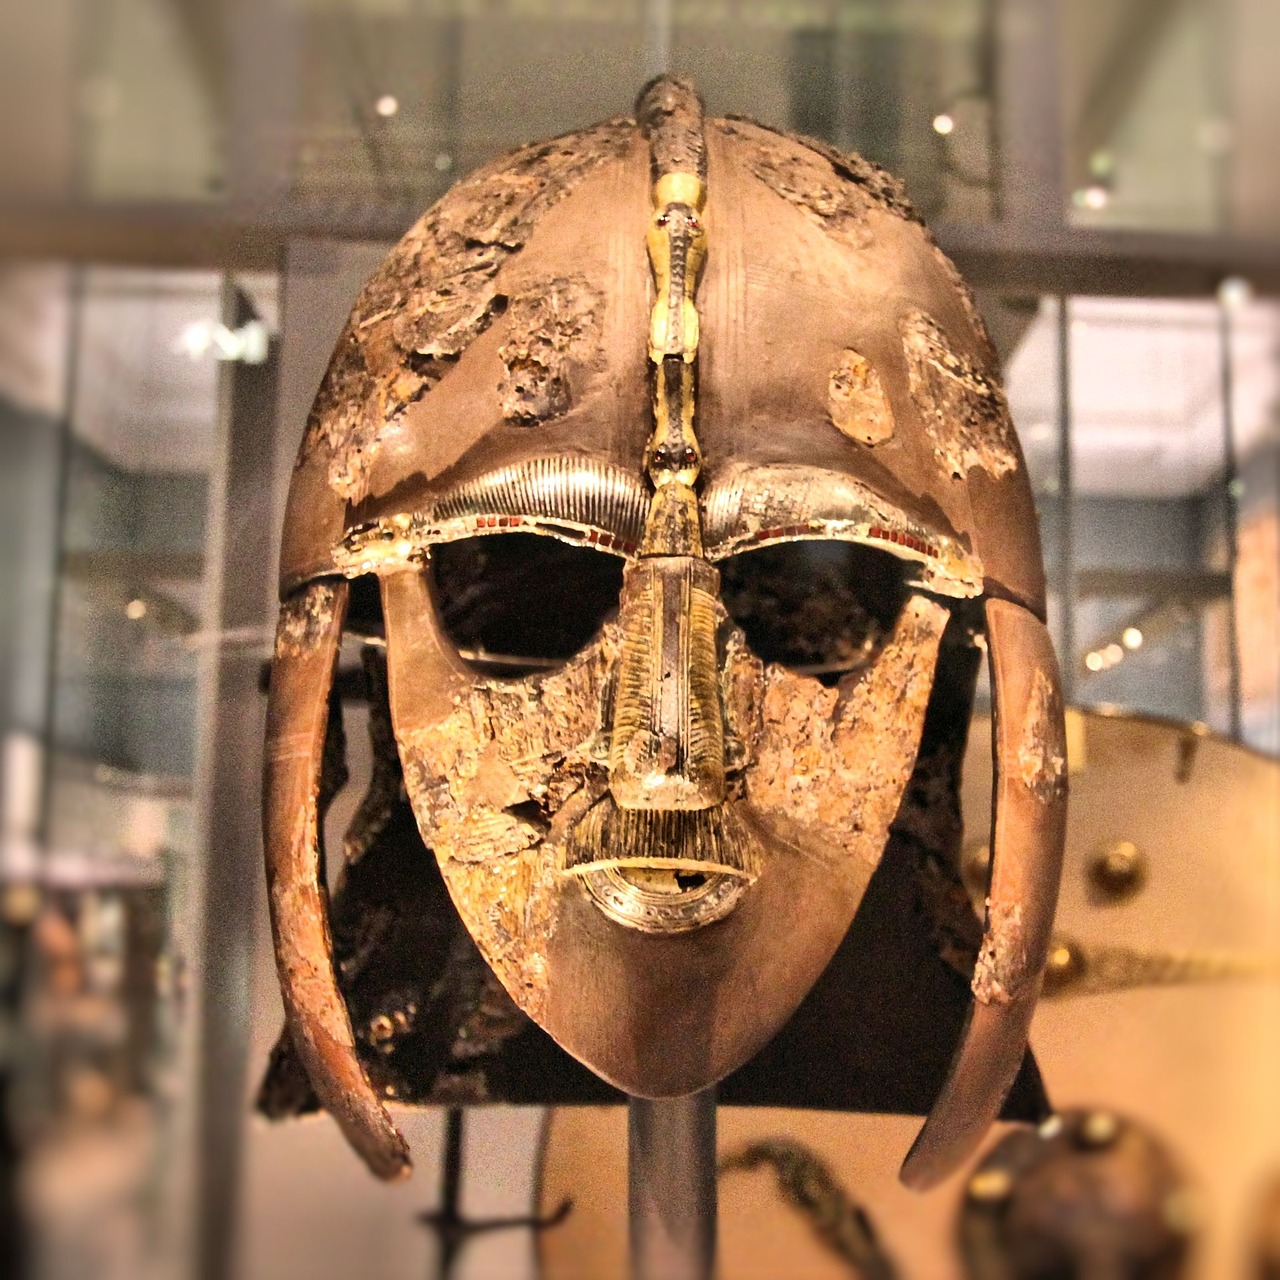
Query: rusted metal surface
[832, 189]
[552, 326]
[434, 1025]
[669, 112]
[963, 410]
[436, 294]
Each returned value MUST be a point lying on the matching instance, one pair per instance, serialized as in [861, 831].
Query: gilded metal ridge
[579, 500]
[670, 113]
[788, 502]
[667, 746]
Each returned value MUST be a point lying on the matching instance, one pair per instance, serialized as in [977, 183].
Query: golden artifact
[673, 347]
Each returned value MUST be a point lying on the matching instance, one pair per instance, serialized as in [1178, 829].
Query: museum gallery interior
[641, 639]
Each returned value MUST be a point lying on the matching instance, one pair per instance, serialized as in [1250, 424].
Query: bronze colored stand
[671, 1186]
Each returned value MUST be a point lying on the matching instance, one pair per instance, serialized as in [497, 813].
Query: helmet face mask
[657, 795]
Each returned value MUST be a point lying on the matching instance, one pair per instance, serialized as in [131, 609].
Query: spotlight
[1235, 292]
[1112, 654]
[943, 124]
[1093, 197]
[1094, 661]
[387, 105]
[1132, 638]
[136, 609]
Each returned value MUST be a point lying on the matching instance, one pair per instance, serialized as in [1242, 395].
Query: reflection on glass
[105, 1059]
[396, 101]
[1154, 579]
[1148, 129]
[150, 100]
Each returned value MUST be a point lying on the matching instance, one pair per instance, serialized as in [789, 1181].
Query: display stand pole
[671, 1176]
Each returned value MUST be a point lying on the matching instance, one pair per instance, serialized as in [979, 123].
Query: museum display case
[194, 198]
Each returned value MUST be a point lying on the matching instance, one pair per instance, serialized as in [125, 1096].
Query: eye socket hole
[820, 607]
[510, 597]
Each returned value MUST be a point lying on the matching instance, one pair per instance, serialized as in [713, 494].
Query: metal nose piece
[667, 745]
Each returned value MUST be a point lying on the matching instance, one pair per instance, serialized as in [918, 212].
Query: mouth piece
[662, 871]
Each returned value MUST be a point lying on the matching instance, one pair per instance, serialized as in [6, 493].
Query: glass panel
[1251, 335]
[1149, 133]
[101, 1088]
[1150, 472]
[397, 100]
[1033, 385]
[151, 97]
[1170, 534]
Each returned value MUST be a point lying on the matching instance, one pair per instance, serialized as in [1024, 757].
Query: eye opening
[515, 604]
[821, 607]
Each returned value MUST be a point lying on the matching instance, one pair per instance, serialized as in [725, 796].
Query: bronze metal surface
[764, 382]
[297, 716]
[681, 341]
[1029, 834]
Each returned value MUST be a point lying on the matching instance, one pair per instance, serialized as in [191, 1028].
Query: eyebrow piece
[578, 499]
[762, 505]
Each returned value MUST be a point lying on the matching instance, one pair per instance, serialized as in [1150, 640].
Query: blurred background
[192, 192]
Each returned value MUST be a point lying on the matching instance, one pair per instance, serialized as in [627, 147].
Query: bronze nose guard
[667, 748]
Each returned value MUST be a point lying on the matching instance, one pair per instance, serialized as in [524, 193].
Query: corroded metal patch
[436, 293]
[833, 762]
[857, 402]
[1001, 973]
[963, 410]
[305, 619]
[1042, 757]
[833, 189]
[495, 788]
[552, 326]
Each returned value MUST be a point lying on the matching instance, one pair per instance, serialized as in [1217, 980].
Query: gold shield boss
[678, 342]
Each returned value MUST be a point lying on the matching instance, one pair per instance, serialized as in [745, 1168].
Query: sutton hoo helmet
[677, 346]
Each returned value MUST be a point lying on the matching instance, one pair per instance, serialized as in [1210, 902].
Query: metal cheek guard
[1030, 822]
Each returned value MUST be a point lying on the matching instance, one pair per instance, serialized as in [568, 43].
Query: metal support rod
[1066, 569]
[671, 1167]
[1231, 512]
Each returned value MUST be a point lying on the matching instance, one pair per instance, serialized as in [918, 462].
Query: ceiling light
[1102, 163]
[1112, 653]
[387, 105]
[444, 162]
[1132, 638]
[1093, 197]
[943, 124]
[1094, 661]
[136, 609]
[250, 344]
[1234, 292]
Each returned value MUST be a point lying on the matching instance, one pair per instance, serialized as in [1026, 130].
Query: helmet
[676, 347]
